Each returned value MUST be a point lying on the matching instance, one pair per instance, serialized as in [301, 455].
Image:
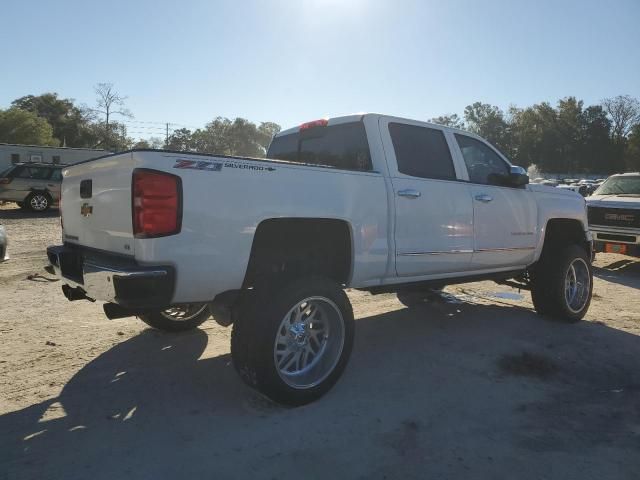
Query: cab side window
[421, 152]
[39, 173]
[21, 172]
[483, 164]
[56, 176]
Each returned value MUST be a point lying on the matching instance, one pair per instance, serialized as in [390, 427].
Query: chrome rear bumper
[109, 278]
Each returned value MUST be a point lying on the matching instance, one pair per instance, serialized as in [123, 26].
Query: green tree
[596, 147]
[489, 122]
[181, 139]
[632, 156]
[266, 131]
[232, 137]
[70, 123]
[24, 127]
[449, 120]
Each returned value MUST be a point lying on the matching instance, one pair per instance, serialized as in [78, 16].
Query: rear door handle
[409, 192]
[484, 198]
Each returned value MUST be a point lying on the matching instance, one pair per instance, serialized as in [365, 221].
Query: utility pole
[166, 138]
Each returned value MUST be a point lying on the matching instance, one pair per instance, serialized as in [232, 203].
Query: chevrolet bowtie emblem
[86, 209]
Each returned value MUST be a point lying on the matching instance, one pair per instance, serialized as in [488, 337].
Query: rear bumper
[111, 278]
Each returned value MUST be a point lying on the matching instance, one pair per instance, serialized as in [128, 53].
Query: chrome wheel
[182, 313]
[39, 202]
[577, 285]
[309, 342]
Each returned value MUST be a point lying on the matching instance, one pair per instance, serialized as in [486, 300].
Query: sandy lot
[478, 387]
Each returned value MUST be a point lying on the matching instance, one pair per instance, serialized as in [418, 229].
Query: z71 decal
[198, 165]
[217, 166]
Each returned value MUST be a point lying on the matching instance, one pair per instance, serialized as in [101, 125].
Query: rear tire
[178, 318]
[38, 202]
[292, 343]
[562, 284]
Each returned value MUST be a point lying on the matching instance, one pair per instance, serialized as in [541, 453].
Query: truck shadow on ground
[20, 214]
[624, 272]
[424, 391]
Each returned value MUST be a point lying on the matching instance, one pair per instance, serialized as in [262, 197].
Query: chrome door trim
[447, 252]
[504, 249]
[443, 252]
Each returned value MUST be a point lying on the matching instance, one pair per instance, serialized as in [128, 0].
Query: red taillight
[157, 208]
[5, 180]
[316, 123]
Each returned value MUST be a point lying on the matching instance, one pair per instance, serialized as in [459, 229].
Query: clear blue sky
[290, 61]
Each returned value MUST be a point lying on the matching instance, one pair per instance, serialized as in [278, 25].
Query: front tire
[563, 283]
[293, 343]
[38, 202]
[178, 318]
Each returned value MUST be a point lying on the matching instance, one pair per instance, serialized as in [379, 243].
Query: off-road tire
[258, 324]
[548, 283]
[161, 320]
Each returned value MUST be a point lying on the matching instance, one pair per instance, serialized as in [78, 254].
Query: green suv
[33, 186]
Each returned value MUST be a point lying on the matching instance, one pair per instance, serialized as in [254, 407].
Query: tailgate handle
[86, 187]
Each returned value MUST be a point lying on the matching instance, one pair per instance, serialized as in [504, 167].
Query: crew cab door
[433, 210]
[504, 217]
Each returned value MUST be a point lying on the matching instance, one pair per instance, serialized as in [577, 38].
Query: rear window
[342, 146]
[33, 173]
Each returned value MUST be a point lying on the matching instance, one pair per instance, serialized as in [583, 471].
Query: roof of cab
[357, 117]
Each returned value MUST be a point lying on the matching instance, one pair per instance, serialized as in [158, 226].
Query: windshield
[620, 186]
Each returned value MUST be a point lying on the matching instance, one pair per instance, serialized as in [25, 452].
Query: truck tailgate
[96, 204]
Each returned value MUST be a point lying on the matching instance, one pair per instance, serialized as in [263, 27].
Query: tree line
[567, 137]
[50, 120]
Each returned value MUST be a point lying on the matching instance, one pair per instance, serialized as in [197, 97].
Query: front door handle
[409, 192]
[484, 198]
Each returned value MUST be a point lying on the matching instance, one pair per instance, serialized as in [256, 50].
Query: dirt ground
[473, 384]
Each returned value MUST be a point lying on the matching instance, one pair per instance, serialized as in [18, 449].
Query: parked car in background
[581, 189]
[4, 242]
[32, 186]
[614, 215]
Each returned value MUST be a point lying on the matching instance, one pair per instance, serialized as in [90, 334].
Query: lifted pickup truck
[371, 202]
[614, 215]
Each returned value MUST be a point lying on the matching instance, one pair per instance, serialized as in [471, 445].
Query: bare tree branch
[624, 112]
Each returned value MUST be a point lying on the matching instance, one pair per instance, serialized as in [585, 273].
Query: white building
[11, 154]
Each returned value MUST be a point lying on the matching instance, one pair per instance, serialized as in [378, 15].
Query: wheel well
[293, 247]
[564, 231]
[41, 190]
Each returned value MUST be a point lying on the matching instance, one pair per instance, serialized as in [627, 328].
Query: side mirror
[518, 176]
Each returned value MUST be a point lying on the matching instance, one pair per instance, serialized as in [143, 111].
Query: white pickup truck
[371, 202]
